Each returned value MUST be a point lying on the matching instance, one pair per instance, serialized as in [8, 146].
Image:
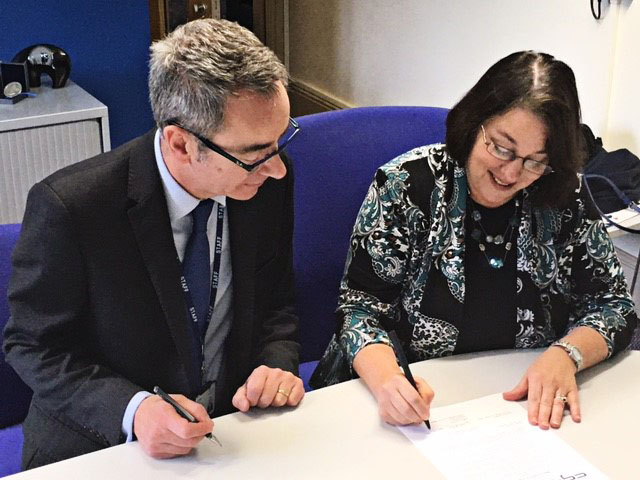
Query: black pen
[181, 411]
[397, 346]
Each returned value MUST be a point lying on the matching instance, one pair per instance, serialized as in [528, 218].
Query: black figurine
[48, 59]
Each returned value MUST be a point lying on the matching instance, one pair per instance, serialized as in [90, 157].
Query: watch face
[574, 353]
[12, 89]
[577, 354]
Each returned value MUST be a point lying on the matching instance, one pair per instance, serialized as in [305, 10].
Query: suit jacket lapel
[243, 240]
[150, 222]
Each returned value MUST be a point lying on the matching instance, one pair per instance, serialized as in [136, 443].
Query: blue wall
[108, 42]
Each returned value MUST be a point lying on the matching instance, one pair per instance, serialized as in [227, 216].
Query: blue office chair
[335, 156]
[15, 396]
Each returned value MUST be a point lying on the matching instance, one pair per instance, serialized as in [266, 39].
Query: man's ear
[178, 144]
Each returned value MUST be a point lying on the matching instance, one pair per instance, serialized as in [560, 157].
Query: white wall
[430, 52]
[623, 129]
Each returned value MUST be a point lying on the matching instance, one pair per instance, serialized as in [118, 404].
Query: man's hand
[547, 380]
[269, 387]
[163, 433]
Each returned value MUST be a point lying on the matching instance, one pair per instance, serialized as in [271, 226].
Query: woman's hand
[398, 402]
[553, 376]
[546, 383]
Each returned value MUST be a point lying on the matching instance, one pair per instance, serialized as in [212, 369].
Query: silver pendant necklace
[503, 240]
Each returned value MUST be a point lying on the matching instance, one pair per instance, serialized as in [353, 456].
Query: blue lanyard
[215, 277]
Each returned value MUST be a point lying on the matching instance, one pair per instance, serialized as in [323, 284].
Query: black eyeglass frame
[547, 169]
[249, 167]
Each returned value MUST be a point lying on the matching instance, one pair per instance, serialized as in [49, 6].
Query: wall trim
[317, 97]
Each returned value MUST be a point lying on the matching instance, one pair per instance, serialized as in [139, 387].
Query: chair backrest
[335, 156]
[14, 394]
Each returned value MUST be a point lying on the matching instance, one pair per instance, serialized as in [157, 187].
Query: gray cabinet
[42, 134]
[627, 247]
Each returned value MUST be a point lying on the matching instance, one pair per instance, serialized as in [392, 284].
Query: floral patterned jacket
[411, 226]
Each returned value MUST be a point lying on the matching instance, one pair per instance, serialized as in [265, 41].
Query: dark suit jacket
[97, 312]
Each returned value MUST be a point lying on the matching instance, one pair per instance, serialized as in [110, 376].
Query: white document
[490, 438]
[626, 217]
[623, 215]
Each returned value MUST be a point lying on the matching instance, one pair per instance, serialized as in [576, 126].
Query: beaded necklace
[498, 241]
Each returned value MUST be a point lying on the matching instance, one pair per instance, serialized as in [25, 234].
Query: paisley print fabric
[567, 272]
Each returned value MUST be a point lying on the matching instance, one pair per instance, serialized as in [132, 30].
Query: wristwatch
[574, 352]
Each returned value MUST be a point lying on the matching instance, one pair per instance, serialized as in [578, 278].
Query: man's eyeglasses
[283, 141]
[506, 155]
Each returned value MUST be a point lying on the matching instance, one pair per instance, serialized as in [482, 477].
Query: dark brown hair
[546, 87]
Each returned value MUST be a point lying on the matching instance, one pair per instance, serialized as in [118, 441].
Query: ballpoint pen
[397, 347]
[181, 411]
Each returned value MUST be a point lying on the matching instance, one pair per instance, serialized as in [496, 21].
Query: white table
[336, 433]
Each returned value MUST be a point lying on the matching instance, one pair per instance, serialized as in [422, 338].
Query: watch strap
[574, 353]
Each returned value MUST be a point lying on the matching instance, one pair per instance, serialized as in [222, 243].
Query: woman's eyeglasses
[506, 155]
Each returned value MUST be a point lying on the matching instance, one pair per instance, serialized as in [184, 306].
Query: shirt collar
[179, 202]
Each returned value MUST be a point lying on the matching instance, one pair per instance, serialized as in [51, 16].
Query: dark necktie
[196, 265]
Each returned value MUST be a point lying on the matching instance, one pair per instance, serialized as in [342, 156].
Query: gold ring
[562, 398]
[284, 392]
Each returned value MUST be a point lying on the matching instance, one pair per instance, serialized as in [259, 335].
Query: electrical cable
[621, 195]
[628, 202]
[593, 12]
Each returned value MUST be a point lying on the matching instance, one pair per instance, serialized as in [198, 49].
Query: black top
[490, 302]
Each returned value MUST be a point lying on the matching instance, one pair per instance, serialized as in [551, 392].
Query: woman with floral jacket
[487, 242]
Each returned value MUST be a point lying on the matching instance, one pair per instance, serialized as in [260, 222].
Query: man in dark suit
[165, 262]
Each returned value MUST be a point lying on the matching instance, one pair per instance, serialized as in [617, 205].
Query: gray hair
[196, 67]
